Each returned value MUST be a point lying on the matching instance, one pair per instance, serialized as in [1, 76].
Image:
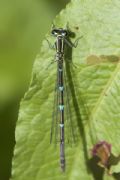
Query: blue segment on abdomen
[61, 107]
[61, 125]
[61, 88]
[60, 70]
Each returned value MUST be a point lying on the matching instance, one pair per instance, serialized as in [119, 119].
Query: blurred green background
[23, 25]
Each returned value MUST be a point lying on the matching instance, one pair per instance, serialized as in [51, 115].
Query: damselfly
[61, 36]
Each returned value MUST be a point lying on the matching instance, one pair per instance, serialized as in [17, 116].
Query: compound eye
[64, 33]
[53, 32]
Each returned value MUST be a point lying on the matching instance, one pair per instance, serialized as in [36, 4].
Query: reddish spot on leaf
[103, 151]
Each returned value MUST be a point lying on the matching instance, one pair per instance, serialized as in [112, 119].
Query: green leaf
[94, 97]
[115, 169]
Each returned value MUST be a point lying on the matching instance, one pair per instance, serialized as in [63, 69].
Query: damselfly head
[59, 32]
